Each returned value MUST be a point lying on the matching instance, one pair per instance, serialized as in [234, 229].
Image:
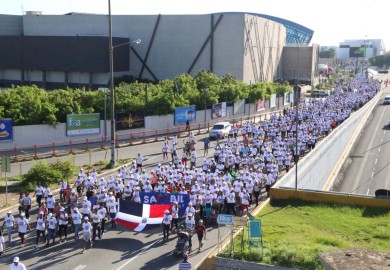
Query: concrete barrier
[328, 197]
[315, 169]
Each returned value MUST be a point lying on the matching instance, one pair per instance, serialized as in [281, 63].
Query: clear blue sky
[332, 20]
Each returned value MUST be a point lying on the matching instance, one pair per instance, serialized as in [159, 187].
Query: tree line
[29, 105]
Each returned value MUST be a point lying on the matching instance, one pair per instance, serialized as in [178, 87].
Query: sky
[332, 21]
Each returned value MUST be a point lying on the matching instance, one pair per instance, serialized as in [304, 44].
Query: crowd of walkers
[229, 180]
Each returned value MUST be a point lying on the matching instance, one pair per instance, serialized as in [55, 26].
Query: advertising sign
[225, 219]
[129, 120]
[82, 124]
[183, 114]
[239, 106]
[218, 110]
[272, 101]
[357, 51]
[166, 198]
[260, 105]
[6, 130]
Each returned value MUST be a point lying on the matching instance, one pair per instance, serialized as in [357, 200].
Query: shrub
[49, 174]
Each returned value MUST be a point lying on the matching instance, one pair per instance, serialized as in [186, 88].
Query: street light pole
[297, 92]
[111, 53]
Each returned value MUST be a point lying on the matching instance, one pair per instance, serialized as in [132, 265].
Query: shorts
[86, 236]
[200, 237]
[139, 165]
[21, 235]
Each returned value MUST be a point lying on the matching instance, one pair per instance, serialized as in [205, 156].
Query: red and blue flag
[138, 217]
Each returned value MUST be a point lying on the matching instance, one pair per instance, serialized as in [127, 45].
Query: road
[120, 248]
[369, 161]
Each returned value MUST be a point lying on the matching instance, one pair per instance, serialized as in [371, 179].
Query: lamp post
[112, 86]
[296, 95]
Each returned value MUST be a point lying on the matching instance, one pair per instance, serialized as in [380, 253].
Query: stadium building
[56, 51]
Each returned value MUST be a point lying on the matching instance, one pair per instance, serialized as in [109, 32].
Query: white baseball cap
[85, 218]
[166, 211]
[16, 259]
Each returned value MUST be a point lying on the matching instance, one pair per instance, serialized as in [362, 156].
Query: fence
[77, 146]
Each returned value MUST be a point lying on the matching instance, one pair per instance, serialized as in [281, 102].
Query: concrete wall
[43, 134]
[11, 25]
[180, 42]
[317, 166]
[264, 41]
[301, 62]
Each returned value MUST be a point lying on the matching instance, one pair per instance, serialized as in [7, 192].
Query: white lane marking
[382, 140]
[80, 267]
[379, 149]
[372, 174]
[140, 253]
[368, 191]
[376, 160]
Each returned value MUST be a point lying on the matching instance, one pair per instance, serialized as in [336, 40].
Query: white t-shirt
[1, 243]
[86, 207]
[40, 224]
[52, 223]
[167, 219]
[20, 266]
[9, 221]
[102, 212]
[22, 225]
[63, 220]
[50, 202]
[112, 207]
[96, 218]
[190, 223]
[39, 191]
[87, 227]
[76, 217]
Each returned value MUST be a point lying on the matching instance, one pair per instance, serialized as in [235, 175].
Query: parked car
[220, 129]
[386, 100]
[321, 93]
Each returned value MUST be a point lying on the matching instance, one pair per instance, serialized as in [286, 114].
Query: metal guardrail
[55, 149]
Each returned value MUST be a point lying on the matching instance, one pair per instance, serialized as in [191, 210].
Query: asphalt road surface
[369, 167]
[119, 248]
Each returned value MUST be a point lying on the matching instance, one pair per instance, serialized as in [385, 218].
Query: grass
[295, 232]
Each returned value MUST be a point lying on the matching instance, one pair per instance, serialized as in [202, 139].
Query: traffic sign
[240, 221]
[254, 228]
[225, 219]
[5, 164]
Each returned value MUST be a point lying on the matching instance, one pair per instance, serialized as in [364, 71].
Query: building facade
[56, 51]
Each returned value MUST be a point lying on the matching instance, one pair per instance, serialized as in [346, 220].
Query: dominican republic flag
[138, 217]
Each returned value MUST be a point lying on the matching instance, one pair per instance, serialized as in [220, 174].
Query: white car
[220, 130]
[386, 100]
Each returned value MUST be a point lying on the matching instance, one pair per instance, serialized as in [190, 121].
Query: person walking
[52, 228]
[17, 265]
[185, 264]
[2, 243]
[23, 225]
[63, 225]
[41, 228]
[87, 229]
[175, 215]
[76, 220]
[166, 222]
[9, 223]
[96, 223]
[201, 232]
[39, 194]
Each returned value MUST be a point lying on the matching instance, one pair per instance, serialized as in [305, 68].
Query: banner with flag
[138, 217]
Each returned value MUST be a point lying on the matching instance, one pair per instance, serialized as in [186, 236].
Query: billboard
[218, 110]
[183, 114]
[129, 120]
[260, 105]
[6, 130]
[357, 51]
[82, 124]
[239, 106]
[272, 101]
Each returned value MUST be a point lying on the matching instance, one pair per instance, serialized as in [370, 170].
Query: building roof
[296, 34]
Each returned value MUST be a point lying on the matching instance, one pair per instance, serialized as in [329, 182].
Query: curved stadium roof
[296, 34]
